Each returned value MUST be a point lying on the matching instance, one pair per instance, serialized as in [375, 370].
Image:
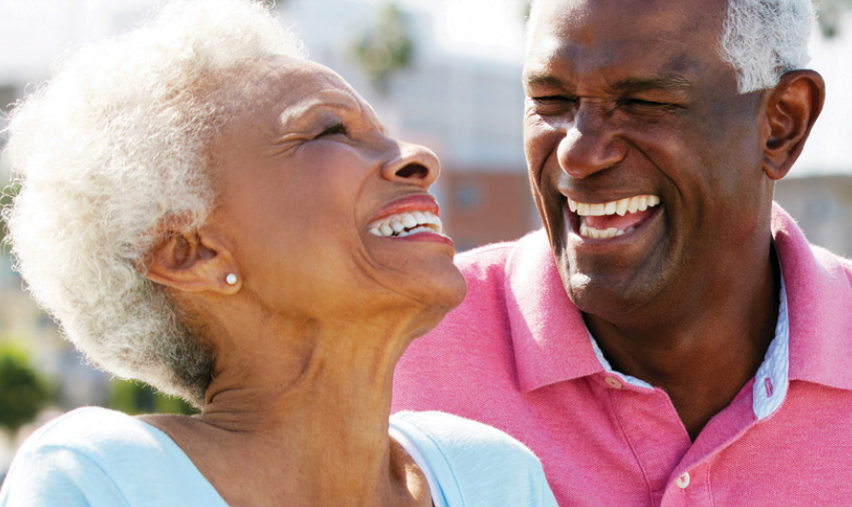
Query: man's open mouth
[610, 219]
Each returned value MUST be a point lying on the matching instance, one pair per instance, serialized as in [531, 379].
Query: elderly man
[670, 338]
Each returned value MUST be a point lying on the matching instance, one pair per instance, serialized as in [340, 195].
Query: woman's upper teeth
[620, 207]
[404, 224]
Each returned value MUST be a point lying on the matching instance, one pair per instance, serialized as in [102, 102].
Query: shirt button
[683, 481]
[613, 382]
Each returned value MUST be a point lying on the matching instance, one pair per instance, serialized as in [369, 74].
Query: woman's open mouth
[405, 224]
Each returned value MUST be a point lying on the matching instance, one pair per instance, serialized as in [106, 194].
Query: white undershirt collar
[772, 378]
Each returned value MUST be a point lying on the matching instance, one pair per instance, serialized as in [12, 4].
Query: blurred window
[468, 196]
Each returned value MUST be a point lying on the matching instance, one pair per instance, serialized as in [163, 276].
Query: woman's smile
[414, 217]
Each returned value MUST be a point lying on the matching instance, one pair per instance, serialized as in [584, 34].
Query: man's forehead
[647, 36]
[582, 19]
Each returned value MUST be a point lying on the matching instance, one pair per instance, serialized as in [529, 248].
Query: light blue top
[94, 457]
[469, 464]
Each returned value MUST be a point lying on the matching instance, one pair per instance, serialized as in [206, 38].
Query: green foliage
[6, 196]
[830, 15]
[23, 391]
[385, 48]
[134, 397]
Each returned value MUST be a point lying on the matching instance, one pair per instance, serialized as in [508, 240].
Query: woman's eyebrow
[313, 106]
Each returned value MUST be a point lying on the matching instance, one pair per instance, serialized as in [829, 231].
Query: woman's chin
[438, 299]
[443, 286]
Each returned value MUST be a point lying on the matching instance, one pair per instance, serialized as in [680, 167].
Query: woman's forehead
[290, 87]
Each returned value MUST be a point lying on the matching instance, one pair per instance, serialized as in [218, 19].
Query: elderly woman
[203, 209]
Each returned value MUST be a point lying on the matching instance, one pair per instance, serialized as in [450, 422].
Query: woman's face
[309, 187]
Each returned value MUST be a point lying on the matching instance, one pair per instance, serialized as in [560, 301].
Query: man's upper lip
[416, 202]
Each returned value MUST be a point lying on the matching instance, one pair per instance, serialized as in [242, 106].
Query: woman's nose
[413, 164]
[591, 144]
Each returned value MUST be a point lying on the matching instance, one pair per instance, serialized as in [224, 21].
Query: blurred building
[822, 206]
[9, 92]
[465, 107]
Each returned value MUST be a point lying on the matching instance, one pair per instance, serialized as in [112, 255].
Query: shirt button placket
[687, 490]
[613, 382]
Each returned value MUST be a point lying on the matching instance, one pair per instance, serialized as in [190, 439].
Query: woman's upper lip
[417, 202]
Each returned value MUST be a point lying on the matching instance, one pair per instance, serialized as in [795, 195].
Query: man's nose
[592, 142]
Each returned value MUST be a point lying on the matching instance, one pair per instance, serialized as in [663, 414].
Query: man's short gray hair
[763, 39]
[107, 153]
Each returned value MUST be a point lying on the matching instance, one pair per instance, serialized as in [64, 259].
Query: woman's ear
[791, 109]
[195, 262]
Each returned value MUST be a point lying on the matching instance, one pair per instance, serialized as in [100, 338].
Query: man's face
[645, 162]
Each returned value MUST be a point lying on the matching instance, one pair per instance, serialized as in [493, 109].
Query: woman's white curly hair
[112, 148]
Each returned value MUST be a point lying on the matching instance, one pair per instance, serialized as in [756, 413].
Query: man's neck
[703, 357]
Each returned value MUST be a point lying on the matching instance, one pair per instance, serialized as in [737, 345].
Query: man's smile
[610, 219]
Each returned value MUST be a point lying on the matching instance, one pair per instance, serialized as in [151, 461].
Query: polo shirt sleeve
[476, 465]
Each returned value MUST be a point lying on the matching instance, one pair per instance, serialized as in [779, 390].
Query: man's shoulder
[481, 261]
[813, 270]
[834, 267]
[489, 261]
[830, 259]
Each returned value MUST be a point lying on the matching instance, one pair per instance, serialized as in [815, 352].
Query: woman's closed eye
[337, 128]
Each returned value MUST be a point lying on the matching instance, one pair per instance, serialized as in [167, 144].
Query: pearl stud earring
[231, 279]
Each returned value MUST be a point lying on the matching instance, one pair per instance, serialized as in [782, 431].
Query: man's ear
[195, 262]
[791, 109]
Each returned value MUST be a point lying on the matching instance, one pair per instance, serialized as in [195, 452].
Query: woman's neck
[307, 421]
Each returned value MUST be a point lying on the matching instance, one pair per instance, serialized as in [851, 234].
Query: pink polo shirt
[517, 355]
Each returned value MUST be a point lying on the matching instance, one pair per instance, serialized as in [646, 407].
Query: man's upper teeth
[620, 207]
[405, 224]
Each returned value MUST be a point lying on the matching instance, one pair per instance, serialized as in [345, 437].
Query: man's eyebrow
[669, 83]
[548, 80]
[673, 83]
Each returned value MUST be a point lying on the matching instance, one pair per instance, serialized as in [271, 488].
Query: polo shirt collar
[552, 343]
[548, 333]
[819, 298]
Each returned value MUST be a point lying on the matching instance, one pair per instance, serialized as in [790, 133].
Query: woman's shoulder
[95, 456]
[475, 463]
[460, 434]
[94, 431]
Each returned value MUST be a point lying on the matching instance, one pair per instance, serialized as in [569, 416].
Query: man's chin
[607, 294]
